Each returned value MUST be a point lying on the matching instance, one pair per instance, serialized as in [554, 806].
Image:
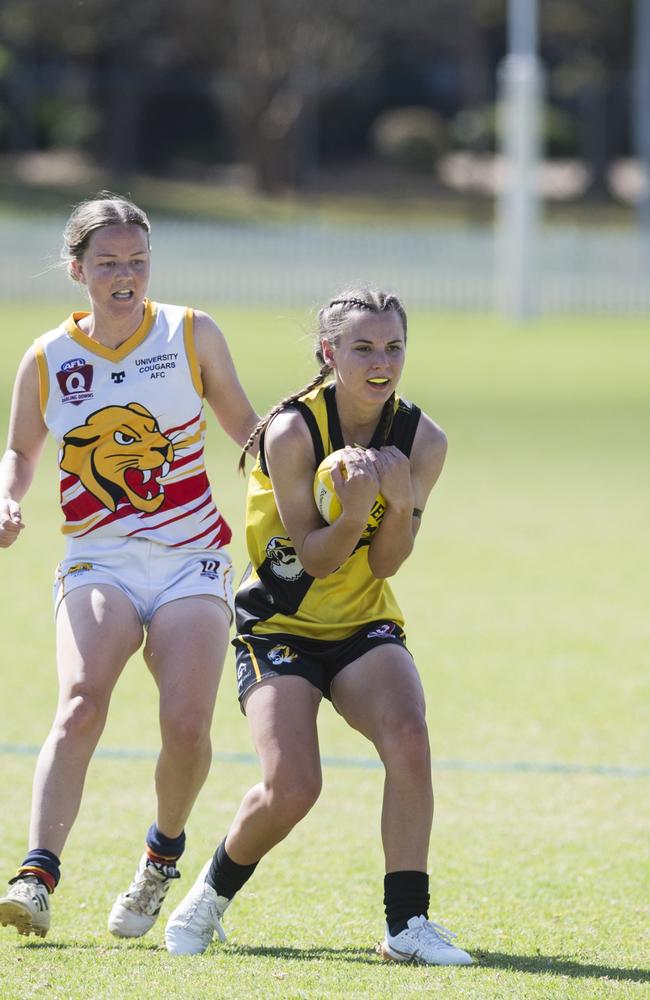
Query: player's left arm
[221, 386]
[405, 485]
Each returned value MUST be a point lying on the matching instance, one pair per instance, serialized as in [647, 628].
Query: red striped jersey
[130, 427]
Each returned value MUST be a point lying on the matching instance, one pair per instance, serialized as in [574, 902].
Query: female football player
[316, 618]
[121, 389]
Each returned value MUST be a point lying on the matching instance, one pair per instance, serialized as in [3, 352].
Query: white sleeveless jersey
[130, 427]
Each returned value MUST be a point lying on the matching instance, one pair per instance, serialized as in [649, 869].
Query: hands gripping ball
[327, 499]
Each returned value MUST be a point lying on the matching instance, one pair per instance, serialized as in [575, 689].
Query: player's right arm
[289, 453]
[27, 433]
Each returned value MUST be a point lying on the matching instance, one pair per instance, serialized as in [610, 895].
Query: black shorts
[259, 657]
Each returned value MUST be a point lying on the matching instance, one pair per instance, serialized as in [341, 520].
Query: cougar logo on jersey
[281, 654]
[283, 559]
[75, 379]
[120, 452]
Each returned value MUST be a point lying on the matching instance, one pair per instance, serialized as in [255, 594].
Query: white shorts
[148, 573]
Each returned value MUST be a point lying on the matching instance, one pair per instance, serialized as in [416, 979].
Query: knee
[405, 744]
[187, 733]
[82, 717]
[292, 796]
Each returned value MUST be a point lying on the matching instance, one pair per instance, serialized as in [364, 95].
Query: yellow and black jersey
[276, 594]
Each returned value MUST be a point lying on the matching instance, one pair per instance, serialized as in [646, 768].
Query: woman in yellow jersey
[121, 389]
[316, 617]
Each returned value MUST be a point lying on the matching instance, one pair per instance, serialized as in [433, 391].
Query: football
[327, 500]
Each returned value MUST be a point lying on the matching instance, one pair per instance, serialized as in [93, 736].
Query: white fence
[581, 270]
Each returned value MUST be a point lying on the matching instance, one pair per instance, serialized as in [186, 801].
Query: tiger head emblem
[120, 452]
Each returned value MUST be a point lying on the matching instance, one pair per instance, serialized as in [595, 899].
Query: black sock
[43, 865]
[161, 849]
[225, 876]
[406, 895]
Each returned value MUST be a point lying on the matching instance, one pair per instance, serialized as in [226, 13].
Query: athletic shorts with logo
[148, 573]
[259, 657]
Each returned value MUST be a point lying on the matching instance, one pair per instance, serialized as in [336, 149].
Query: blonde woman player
[121, 389]
[316, 618]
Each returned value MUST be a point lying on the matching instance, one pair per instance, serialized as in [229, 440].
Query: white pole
[518, 208]
[641, 107]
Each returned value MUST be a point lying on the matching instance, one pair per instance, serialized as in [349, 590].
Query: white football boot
[136, 910]
[196, 919]
[423, 942]
[26, 907]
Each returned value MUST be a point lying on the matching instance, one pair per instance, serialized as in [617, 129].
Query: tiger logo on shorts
[120, 452]
[281, 654]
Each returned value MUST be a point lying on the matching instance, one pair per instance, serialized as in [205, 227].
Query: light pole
[517, 222]
[641, 107]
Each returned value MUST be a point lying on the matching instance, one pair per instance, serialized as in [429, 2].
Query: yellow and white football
[327, 499]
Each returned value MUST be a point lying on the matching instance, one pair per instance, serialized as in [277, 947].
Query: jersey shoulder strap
[312, 424]
[405, 423]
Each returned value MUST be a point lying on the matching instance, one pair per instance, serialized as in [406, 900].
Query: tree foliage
[268, 66]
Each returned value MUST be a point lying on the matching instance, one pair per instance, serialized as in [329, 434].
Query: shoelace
[438, 932]
[147, 890]
[168, 871]
[205, 912]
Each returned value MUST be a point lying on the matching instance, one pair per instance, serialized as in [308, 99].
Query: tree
[276, 60]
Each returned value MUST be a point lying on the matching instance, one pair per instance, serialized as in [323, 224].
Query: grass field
[526, 601]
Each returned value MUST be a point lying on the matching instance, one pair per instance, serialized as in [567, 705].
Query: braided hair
[331, 319]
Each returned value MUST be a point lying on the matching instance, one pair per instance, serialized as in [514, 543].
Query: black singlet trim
[334, 424]
[312, 425]
[405, 424]
[261, 455]
[401, 434]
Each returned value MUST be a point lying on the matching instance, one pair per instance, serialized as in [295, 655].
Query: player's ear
[77, 271]
[328, 352]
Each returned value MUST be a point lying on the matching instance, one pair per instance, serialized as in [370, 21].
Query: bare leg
[185, 650]
[381, 696]
[282, 716]
[97, 630]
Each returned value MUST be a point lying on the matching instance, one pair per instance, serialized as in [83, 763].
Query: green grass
[526, 603]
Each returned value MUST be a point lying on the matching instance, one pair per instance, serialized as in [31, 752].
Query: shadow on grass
[356, 955]
[559, 966]
[364, 956]
[98, 946]
[555, 965]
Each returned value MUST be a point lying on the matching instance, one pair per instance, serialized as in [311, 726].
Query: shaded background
[317, 143]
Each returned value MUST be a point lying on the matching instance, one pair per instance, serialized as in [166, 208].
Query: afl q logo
[75, 380]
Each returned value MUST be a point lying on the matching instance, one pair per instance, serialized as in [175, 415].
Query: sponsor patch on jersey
[158, 365]
[210, 568]
[75, 380]
[283, 559]
[281, 654]
[386, 631]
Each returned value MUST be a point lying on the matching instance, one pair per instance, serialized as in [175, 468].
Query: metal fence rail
[581, 270]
